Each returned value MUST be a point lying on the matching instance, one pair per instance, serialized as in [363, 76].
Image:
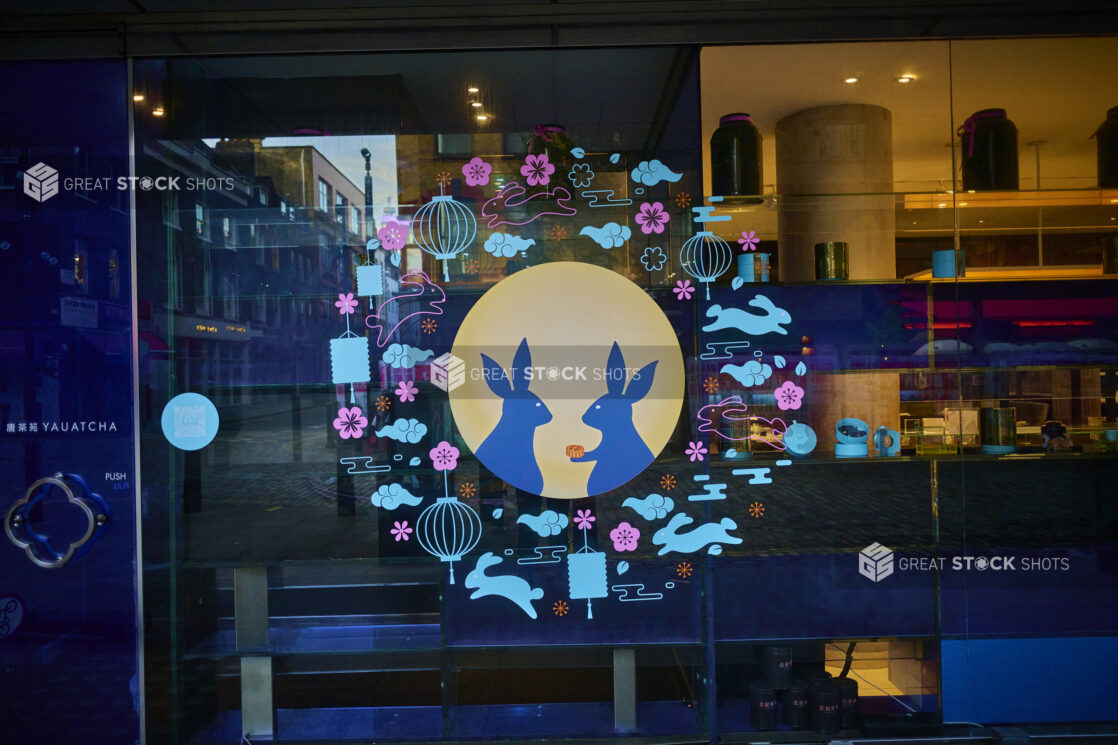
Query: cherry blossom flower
[345, 303]
[581, 176]
[393, 236]
[695, 450]
[652, 218]
[624, 537]
[401, 531]
[748, 240]
[683, 289]
[537, 170]
[406, 391]
[583, 519]
[477, 172]
[444, 456]
[654, 258]
[789, 396]
[350, 423]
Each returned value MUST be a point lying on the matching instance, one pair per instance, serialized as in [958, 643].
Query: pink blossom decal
[406, 391]
[401, 531]
[624, 537]
[683, 289]
[789, 396]
[444, 456]
[748, 240]
[350, 423]
[393, 236]
[537, 170]
[345, 303]
[695, 450]
[652, 218]
[583, 519]
[477, 172]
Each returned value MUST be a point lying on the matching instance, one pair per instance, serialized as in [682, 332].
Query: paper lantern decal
[349, 353]
[586, 568]
[370, 275]
[704, 255]
[444, 228]
[448, 529]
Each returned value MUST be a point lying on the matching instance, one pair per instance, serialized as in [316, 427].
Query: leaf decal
[578, 152]
[801, 368]
[622, 567]
[737, 282]
[779, 362]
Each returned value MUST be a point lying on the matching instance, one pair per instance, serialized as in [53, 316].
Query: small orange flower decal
[558, 233]
[710, 384]
[683, 199]
[428, 326]
[382, 403]
[560, 608]
[466, 489]
[683, 569]
[756, 509]
[472, 267]
[667, 482]
[443, 178]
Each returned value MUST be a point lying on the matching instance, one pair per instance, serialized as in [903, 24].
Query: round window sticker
[566, 380]
[190, 421]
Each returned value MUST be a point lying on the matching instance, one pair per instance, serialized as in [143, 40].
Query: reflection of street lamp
[368, 193]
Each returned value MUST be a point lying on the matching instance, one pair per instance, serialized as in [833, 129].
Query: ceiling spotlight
[475, 104]
[472, 89]
[903, 79]
[157, 111]
[482, 117]
[851, 80]
[137, 97]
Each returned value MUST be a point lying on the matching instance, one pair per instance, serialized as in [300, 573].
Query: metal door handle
[17, 523]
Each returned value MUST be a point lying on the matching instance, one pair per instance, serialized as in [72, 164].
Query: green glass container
[735, 158]
[999, 430]
[830, 261]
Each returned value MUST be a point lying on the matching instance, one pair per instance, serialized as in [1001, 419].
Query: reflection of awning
[108, 343]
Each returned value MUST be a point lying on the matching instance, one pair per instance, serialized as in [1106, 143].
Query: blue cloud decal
[610, 235]
[503, 245]
[652, 172]
[404, 430]
[652, 507]
[391, 496]
[405, 355]
[750, 374]
[545, 524]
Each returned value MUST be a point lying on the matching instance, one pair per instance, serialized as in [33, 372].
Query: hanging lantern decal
[444, 228]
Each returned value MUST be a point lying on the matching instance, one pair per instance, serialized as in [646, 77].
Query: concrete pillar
[823, 153]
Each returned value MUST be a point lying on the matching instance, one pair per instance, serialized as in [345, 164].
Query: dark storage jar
[989, 151]
[825, 715]
[830, 261]
[1107, 139]
[848, 702]
[797, 704]
[778, 666]
[762, 705]
[735, 157]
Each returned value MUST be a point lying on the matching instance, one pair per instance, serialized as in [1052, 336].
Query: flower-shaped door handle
[37, 546]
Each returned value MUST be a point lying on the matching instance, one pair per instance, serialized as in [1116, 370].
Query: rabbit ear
[495, 377]
[641, 383]
[762, 302]
[521, 362]
[615, 371]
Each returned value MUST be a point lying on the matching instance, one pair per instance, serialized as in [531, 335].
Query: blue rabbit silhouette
[622, 452]
[509, 450]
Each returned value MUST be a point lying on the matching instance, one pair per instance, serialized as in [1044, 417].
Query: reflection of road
[258, 503]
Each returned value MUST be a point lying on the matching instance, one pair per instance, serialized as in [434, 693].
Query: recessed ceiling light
[942, 204]
[137, 97]
[475, 104]
[905, 78]
[158, 111]
[482, 118]
[472, 89]
[962, 204]
[851, 80]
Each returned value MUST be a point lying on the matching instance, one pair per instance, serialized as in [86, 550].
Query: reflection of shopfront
[794, 576]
